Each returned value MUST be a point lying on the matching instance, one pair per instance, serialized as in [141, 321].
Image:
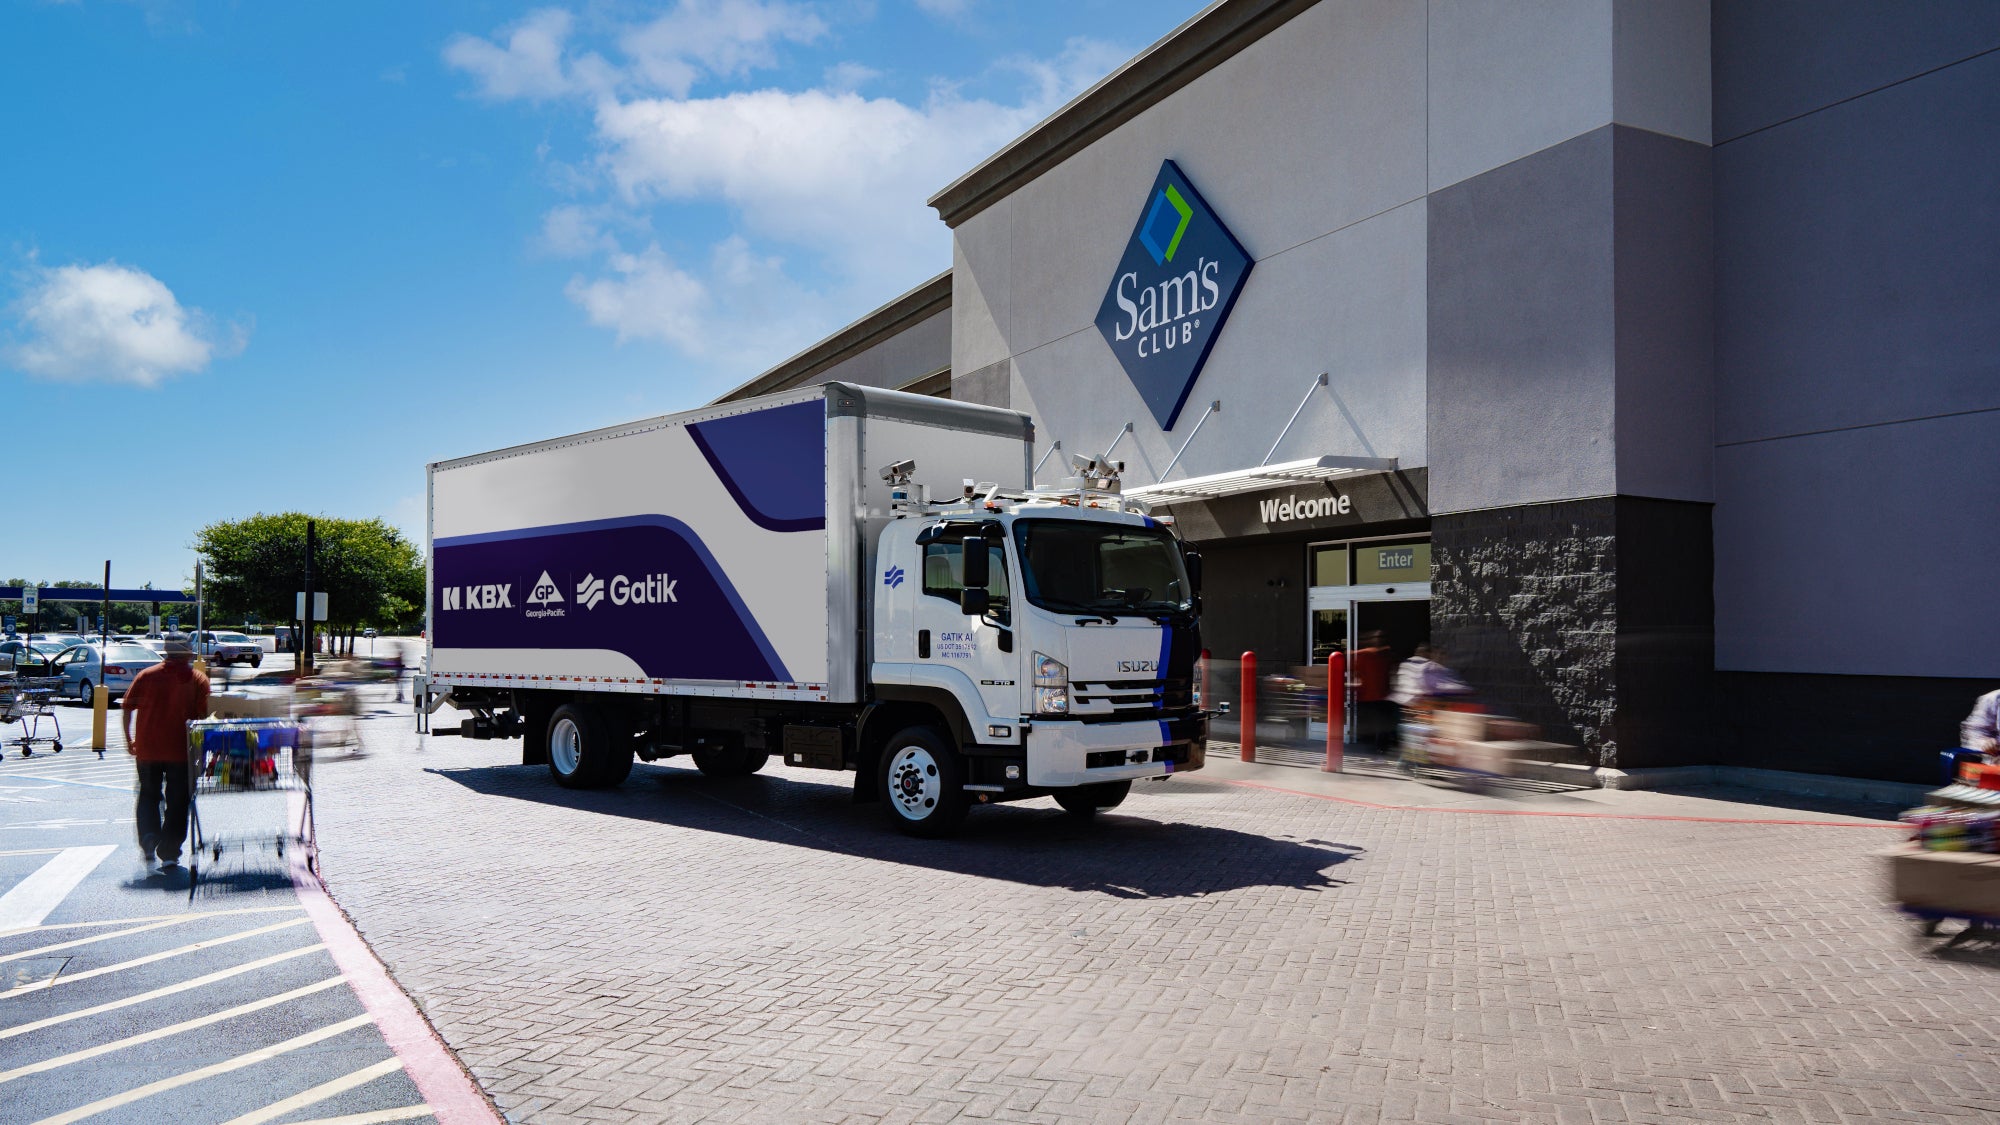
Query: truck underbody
[590, 740]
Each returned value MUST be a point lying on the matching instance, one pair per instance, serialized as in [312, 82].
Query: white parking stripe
[238, 1063]
[41, 949]
[149, 958]
[375, 1117]
[184, 916]
[32, 898]
[32, 851]
[114, 1005]
[88, 784]
[175, 1029]
[318, 1093]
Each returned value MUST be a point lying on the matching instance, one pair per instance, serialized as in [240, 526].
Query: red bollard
[1247, 717]
[1336, 712]
[1207, 700]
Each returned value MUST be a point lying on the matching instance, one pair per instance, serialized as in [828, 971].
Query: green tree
[371, 574]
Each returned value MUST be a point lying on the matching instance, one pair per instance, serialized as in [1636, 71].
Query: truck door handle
[924, 643]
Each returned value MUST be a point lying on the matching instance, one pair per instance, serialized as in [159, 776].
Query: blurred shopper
[1375, 721]
[1981, 730]
[161, 702]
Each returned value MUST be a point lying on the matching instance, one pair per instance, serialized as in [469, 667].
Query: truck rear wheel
[923, 783]
[1085, 800]
[584, 749]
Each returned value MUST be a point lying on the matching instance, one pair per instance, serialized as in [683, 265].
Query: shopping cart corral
[26, 700]
[250, 791]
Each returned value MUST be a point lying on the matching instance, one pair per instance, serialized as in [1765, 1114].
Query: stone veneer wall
[1526, 600]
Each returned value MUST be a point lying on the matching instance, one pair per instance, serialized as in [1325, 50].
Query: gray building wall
[1857, 341]
[1857, 350]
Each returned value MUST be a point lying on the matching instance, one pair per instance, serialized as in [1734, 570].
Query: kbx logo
[489, 596]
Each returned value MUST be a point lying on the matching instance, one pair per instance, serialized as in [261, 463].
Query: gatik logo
[893, 578]
[489, 596]
[590, 591]
[653, 589]
[1180, 275]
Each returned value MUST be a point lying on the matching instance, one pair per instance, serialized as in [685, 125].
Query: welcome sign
[1175, 286]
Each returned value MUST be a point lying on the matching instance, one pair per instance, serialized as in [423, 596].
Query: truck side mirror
[974, 574]
[1193, 561]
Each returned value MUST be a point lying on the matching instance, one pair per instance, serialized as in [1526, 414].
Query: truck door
[975, 647]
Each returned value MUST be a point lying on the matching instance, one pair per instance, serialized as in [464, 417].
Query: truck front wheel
[922, 782]
[583, 749]
[1085, 800]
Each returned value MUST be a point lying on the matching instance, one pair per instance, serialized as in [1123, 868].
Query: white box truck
[851, 578]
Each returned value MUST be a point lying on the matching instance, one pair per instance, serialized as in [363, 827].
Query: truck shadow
[1122, 853]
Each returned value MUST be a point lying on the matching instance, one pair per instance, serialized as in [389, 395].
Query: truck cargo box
[716, 552]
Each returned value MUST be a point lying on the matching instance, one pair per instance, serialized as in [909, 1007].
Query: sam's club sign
[1180, 275]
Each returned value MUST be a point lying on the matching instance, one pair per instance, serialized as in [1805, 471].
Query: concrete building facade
[1636, 350]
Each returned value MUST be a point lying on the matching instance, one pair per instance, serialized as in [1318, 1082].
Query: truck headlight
[1051, 686]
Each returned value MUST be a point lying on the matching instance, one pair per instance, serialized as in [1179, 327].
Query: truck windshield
[1073, 566]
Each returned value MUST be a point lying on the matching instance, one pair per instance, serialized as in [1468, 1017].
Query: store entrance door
[1398, 625]
[1342, 620]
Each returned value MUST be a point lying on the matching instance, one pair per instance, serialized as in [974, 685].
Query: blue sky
[258, 258]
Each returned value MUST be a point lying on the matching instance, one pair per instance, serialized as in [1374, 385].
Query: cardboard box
[1956, 882]
[1460, 726]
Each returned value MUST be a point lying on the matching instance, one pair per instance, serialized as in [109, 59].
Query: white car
[230, 648]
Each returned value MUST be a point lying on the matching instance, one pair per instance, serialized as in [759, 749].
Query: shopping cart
[25, 700]
[265, 772]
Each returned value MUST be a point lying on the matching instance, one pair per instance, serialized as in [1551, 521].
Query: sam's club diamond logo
[1179, 278]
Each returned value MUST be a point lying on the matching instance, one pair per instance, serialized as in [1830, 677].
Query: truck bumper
[1063, 753]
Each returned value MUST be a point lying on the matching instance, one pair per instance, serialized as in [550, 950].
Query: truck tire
[1085, 800]
[580, 747]
[729, 761]
[922, 782]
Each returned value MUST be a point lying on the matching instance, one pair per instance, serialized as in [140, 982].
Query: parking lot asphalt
[1246, 944]
[122, 998]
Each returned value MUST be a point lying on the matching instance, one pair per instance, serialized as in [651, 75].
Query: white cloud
[720, 38]
[824, 186]
[740, 312]
[530, 63]
[112, 323]
[724, 38]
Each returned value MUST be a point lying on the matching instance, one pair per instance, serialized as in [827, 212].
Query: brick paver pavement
[762, 950]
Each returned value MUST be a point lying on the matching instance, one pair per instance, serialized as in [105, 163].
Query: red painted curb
[1552, 812]
[449, 1091]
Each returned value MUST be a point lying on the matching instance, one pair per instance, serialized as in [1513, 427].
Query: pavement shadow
[1115, 853]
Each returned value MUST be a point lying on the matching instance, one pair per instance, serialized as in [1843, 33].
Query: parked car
[31, 657]
[157, 645]
[230, 648]
[78, 666]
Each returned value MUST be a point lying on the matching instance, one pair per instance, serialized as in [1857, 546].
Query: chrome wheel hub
[914, 782]
[565, 747]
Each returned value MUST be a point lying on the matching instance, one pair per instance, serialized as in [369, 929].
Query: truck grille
[1128, 700]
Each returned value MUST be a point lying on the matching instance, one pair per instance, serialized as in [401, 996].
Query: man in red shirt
[1376, 722]
[165, 698]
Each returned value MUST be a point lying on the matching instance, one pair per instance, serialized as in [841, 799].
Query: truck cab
[1070, 649]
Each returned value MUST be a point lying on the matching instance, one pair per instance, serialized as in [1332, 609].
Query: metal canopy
[1238, 481]
[79, 594]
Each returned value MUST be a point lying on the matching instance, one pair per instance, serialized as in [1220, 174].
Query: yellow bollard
[99, 708]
